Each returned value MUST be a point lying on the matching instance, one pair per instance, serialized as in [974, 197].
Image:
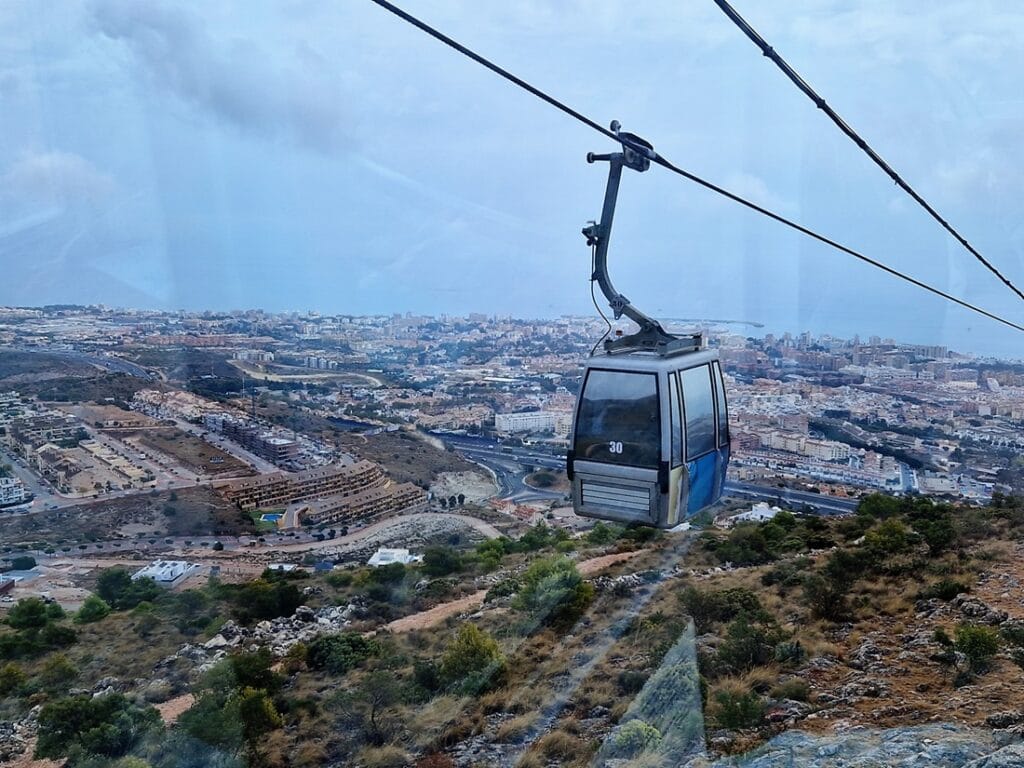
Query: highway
[826, 505]
[106, 362]
[508, 465]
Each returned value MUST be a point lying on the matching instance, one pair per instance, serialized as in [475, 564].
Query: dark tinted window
[618, 421]
[699, 407]
[677, 419]
[723, 411]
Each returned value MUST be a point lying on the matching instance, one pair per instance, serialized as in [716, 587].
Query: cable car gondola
[650, 435]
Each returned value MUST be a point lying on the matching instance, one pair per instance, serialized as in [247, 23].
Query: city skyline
[717, 326]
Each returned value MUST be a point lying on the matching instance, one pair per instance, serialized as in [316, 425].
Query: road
[107, 363]
[510, 473]
[504, 462]
[199, 548]
[828, 505]
[509, 465]
[31, 482]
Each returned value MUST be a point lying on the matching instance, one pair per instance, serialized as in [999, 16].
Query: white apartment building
[826, 450]
[533, 421]
[12, 491]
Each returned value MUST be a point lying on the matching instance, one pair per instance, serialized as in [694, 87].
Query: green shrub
[944, 589]
[707, 607]
[978, 644]
[503, 588]
[826, 592]
[938, 534]
[635, 737]
[631, 681]
[262, 600]
[1013, 634]
[12, 678]
[747, 645]
[427, 676]
[737, 710]
[790, 652]
[472, 661]
[553, 592]
[747, 544]
[887, 538]
[942, 637]
[1017, 656]
[794, 688]
[93, 609]
[602, 534]
[106, 726]
[536, 538]
[879, 506]
[57, 672]
[340, 653]
[339, 579]
[117, 589]
[441, 561]
[27, 613]
[787, 574]
[641, 534]
[257, 714]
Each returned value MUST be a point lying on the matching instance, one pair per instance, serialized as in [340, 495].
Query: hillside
[829, 638]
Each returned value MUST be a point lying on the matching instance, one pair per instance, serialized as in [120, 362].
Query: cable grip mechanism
[637, 154]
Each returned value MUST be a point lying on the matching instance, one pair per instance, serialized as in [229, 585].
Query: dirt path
[25, 759]
[434, 616]
[437, 614]
[595, 564]
[172, 709]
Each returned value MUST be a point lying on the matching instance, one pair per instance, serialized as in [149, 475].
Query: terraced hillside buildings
[375, 502]
[335, 493]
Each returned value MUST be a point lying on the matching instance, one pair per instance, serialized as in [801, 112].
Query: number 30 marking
[615, 447]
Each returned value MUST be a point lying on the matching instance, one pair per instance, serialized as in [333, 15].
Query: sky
[308, 155]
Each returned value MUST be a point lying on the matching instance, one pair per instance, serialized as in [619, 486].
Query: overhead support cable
[656, 158]
[821, 104]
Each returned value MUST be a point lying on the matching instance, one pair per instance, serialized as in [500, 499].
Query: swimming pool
[271, 517]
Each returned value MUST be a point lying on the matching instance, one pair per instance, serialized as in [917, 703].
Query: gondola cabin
[650, 438]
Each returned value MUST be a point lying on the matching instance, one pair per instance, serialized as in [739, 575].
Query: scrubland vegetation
[545, 670]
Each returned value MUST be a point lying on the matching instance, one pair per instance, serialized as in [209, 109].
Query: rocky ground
[931, 746]
[475, 486]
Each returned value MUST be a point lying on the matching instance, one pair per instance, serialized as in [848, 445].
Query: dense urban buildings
[841, 415]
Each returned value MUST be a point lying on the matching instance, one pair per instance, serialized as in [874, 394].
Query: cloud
[55, 177]
[234, 79]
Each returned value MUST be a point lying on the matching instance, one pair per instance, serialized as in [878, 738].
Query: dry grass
[466, 725]
[597, 691]
[516, 728]
[388, 756]
[561, 746]
[736, 686]
[310, 755]
[758, 679]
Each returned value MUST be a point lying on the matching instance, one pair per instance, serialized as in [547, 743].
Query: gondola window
[618, 420]
[699, 411]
